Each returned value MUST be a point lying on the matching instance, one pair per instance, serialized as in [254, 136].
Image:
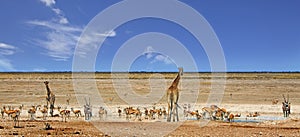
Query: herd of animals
[212, 112]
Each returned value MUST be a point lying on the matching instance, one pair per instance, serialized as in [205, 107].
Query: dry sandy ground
[243, 93]
[189, 128]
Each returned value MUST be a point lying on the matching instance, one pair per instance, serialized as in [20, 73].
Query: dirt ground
[243, 93]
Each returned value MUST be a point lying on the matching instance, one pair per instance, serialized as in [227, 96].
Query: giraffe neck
[176, 80]
[48, 92]
[48, 89]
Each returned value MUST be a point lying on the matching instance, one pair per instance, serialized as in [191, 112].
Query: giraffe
[173, 96]
[50, 98]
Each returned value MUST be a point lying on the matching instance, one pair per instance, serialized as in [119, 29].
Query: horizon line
[149, 72]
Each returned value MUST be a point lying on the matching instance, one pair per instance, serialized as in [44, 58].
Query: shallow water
[258, 119]
[253, 119]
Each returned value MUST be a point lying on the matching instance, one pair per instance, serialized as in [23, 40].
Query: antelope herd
[130, 113]
[139, 113]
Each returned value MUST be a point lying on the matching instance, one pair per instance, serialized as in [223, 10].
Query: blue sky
[41, 35]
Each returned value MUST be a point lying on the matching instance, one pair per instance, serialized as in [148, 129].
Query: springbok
[146, 113]
[44, 111]
[9, 112]
[230, 118]
[14, 114]
[131, 111]
[209, 111]
[275, 101]
[65, 114]
[32, 112]
[194, 114]
[76, 112]
[2, 113]
[119, 112]
[102, 113]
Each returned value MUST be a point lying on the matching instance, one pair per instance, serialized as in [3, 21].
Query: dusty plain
[237, 92]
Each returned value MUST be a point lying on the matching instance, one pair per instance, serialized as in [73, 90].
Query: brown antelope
[230, 118]
[209, 111]
[32, 112]
[219, 113]
[275, 101]
[119, 111]
[238, 115]
[2, 112]
[131, 111]
[255, 114]
[76, 112]
[14, 114]
[146, 113]
[164, 112]
[15, 117]
[159, 113]
[194, 114]
[10, 112]
[152, 113]
[102, 112]
[65, 114]
[44, 111]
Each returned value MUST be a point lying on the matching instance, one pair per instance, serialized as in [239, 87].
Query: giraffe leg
[169, 111]
[177, 112]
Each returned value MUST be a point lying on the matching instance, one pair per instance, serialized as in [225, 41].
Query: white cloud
[6, 49]
[107, 34]
[60, 45]
[56, 26]
[48, 3]
[39, 70]
[5, 65]
[162, 58]
[90, 41]
[61, 39]
[63, 20]
[59, 13]
[150, 53]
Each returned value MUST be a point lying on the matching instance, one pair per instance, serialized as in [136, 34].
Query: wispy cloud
[62, 37]
[150, 53]
[48, 3]
[90, 40]
[55, 26]
[6, 65]
[5, 50]
[39, 70]
[60, 15]
[162, 58]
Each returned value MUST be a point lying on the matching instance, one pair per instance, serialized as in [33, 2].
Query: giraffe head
[46, 82]
[180, 70]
